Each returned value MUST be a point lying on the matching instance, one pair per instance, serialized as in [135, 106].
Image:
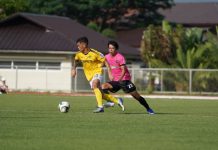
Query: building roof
[132, 37]
[192, 14]
[33, 32]
[188, 14]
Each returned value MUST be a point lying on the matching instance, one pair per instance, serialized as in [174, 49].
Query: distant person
[3, 86]
[92, 62]
[120, 77]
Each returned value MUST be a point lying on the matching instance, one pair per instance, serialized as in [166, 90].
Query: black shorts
[126, 85]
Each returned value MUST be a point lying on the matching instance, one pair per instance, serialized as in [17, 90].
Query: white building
[36, 51]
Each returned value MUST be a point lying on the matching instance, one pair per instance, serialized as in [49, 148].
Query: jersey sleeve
[122, 60]
[76, 56]
[100, 57]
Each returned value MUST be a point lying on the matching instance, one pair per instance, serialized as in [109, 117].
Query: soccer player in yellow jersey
[93, 62]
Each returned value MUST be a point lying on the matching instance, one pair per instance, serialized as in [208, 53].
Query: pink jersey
[115, 63]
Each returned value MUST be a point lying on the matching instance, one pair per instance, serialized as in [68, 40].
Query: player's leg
[95, 85]
[106, 96]
[142, 101]
[129, 87]
[113, 87]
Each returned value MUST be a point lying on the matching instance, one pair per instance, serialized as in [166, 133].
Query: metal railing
[147, 80]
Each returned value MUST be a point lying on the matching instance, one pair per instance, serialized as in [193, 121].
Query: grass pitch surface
[33, 122]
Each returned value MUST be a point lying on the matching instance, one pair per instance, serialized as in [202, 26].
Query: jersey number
[129, 86]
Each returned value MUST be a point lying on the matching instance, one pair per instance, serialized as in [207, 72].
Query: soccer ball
[64, 106]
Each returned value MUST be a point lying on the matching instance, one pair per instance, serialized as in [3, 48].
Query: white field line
[160, 96]
[175, 97]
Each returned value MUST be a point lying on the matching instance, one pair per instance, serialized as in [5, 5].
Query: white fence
[201, 81]
[47, 79]
[190, 81]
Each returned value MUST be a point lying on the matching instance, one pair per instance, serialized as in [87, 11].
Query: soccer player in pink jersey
[92, 62]
[120, 77]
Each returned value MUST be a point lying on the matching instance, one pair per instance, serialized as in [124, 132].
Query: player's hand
[73, 73]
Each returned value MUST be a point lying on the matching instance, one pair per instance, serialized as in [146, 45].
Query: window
[24, 65]
[50, 65]
[33, 65]
[5, 64]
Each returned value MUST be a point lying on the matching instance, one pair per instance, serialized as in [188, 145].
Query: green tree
[186, 48]
[45, 6]
[177, 47]
[112, 14]
[94, 26]
[156, 48]
[105, 13]
[109, 33]
[8, 7]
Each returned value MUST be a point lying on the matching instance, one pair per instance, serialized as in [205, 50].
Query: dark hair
[83, 39]
[114, 43]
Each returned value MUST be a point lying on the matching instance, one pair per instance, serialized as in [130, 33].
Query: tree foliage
[156, 46]
[117, 14]
[8, 7]
[105, 13]
[178, 47]
[45, 7]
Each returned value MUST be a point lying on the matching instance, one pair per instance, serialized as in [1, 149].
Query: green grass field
[33, 122]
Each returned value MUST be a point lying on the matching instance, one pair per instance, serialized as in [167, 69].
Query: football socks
[98, 96]
[111, 98]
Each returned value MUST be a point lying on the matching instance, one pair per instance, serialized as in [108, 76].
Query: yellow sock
[98, 96]
[110, 98]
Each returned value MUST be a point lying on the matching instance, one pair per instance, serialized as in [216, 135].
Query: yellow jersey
[92, 63]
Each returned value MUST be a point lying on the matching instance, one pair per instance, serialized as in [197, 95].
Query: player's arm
[109, 70]
[73, 71]
[102, 59]
[123, 71]
[122, 63]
